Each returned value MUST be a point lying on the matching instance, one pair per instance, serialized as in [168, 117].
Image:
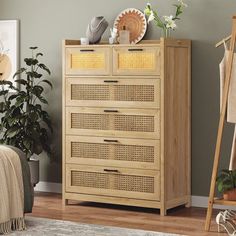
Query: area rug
[48, 227]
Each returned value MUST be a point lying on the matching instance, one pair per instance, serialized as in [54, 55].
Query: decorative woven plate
[134, 21]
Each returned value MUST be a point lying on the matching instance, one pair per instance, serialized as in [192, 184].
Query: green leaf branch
[168, 22]
[24, 123]
[226, 180]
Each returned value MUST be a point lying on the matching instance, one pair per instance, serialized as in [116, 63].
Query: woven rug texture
[49, 227]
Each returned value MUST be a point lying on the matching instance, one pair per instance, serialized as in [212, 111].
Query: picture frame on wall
[9, 49]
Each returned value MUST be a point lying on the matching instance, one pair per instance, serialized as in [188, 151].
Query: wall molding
[48, 187]
[197, 201]
[200, 201]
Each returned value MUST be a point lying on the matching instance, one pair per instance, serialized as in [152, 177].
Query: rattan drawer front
[131, 153]
[107, 181]
[113, 92]
[88, 61]
[136, 60]
[113, 122]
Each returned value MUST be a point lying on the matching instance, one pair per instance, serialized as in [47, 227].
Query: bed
[16, 191]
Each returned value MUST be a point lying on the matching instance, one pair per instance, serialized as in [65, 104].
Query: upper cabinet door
[88, 61]
[139, 60]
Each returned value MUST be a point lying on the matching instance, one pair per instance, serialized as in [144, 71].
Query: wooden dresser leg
[65, 202]
[188, 205]
[163, 212]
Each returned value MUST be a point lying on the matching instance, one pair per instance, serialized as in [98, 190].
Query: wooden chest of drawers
[126, 123]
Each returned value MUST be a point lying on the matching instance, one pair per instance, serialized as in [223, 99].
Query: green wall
[45, 23]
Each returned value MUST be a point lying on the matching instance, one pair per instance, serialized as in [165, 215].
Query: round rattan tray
[134, 21]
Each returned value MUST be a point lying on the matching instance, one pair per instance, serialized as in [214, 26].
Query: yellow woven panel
[87, 61]
[143, 60]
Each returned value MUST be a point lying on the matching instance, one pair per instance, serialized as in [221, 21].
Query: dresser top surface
[76, 43]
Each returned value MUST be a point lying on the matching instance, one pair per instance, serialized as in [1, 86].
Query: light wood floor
[180, 220]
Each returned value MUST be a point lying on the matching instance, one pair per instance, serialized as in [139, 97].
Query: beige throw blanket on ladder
[11, 192]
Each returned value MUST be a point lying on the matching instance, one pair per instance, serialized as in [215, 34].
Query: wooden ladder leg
[221, 126]
[213, 180]
[215, 169]
[215, 165]
[209, 215]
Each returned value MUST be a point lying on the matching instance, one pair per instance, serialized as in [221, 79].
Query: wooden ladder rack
[212, 199]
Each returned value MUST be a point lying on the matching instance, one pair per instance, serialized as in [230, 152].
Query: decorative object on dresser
[96, 28]
[169, 22]
[124, 36]
[113, 37]
[126, 123]
[134, 21]
[84, 41]
[25, 124]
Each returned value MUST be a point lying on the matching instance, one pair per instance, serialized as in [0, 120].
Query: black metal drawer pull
[111, 81]
[110, 110]
[135, 49]
[114, 171]
[87, 50]
[110, 141]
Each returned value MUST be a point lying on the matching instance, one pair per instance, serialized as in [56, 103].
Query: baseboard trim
[197, 201]
[48, 187]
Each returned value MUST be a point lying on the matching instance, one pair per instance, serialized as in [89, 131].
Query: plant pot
[230, 195]
[34, 171]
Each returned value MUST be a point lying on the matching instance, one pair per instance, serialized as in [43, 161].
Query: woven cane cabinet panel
[126, 123]
[113, 122]
[138, 153]
[113, 92]
[118, 182]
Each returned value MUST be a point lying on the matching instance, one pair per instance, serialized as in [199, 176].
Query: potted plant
[24, 122]
[226, 184]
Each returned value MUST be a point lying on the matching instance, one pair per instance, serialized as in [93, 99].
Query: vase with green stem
[166, 23]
